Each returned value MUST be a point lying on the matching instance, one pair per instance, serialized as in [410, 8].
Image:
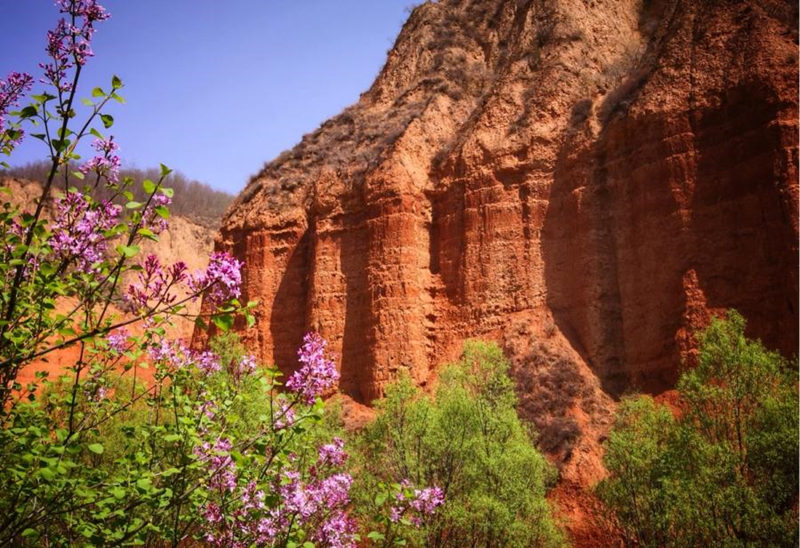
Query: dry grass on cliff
[550, 388]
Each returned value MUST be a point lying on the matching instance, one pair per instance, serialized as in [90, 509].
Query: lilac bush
[144, 439]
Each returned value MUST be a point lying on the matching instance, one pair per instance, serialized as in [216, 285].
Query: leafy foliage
[205, 452]
[205, 446]
[468, 441]
[725, 472]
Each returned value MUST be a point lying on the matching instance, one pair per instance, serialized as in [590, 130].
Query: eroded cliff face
[584, 181]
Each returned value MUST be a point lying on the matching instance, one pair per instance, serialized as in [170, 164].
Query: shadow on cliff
[591, 255]
[744, 248]
[580, 263]
[627, 220]
[287, 321]
[355, 358]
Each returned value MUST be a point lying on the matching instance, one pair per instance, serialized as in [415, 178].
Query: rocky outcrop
[585, 181]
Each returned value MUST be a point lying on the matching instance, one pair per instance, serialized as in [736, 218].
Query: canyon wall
[584, 181]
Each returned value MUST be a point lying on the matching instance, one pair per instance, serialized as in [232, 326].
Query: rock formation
[583, 180]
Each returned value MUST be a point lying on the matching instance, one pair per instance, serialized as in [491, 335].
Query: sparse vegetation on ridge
[192, 199]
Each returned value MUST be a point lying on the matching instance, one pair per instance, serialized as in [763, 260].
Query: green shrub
[468, 441]
[725, 472]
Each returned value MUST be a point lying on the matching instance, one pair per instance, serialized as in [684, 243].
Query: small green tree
[468, 441]
[725, 472]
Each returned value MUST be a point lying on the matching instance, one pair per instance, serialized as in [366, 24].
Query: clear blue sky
[216, 88]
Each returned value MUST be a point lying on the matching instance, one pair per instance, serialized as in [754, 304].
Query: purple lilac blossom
[107, 163]
[221, 467]
[423, 503]
[285, 417]
[154, 285]
[151, 219]
[332, 453]
[78, 232]
[70, 42]
[246, 365]
[118, 340]
[176, 354]
[221, 280]
[317, 506]
[11, 90]
[317, 374]
[207, 362]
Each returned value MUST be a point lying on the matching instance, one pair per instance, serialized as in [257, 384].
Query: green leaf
[107, 119]
[78, 175]
[98, 92]
[43, 97]
[128, 250]
[147, 233]
[116, 82]
[165, 170]
[96, 133]
[168, 192]
[60, 144]
[223, 321]
[148, 186]
[133, 205]
[375, 536]
[88, 102]
[96, 448]
[118, 98]
[162, 212]
[28, 111]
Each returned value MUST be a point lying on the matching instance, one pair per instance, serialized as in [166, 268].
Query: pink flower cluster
[221, 280]
[332, 453]
[285, 417]
[317, 374]
[221, 468]
[422, 503]
[176, 355]
[78, 231]
[317, 505]
[70, 42]
[155, 286]
[151, 220]
[11, 89]
[107, 163]
[118, 340]
[242, 367]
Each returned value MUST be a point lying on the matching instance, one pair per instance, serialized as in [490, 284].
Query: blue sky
[214, 89]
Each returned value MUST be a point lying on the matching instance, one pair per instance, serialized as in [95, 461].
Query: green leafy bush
[726, 471]
[468, 441]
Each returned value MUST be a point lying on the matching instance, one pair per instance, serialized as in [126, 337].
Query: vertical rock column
[397, 278]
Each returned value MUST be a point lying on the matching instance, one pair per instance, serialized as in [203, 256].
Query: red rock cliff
[583, 180]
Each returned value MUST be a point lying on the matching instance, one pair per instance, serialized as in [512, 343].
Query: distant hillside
[193, 200]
